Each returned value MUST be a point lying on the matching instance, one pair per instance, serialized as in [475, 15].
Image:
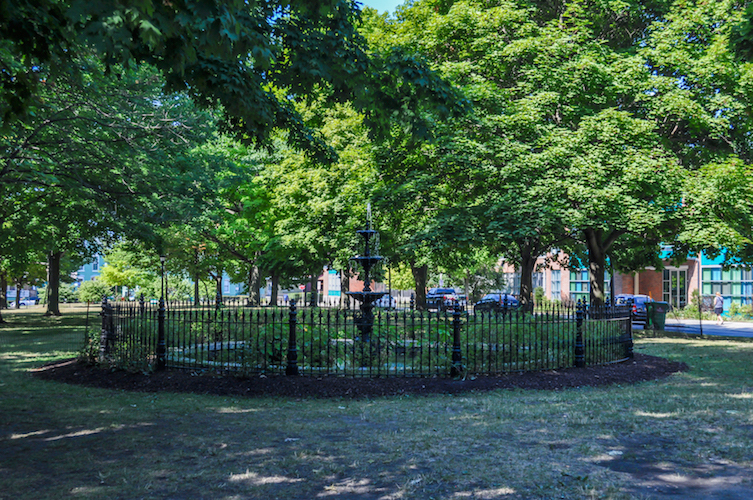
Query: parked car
[386, 302]
[24, 302]
[637, 304]
[442, 299]
[496, 302]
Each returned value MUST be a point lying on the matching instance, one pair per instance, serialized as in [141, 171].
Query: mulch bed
[639, 369]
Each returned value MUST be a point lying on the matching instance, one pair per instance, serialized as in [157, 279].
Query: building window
[580, 285]
[512, 283]
[95, 263]
[226, 286]
[736, 284]
[580, 289]
[674, 287]
[556, 284]
[537, 280]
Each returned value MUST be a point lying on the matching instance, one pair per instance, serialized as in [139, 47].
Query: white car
[387, 302]
[28, 302]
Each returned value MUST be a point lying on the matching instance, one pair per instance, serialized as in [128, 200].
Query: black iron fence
[320, 342]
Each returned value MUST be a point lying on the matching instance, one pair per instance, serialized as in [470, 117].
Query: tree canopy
[250, 60]
[588, 116]
[602, 128]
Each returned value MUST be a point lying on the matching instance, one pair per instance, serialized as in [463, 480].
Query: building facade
[675, 284]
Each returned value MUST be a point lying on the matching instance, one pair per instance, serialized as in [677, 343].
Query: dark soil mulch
[639, 369]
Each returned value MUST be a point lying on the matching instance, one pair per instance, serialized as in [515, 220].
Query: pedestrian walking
[719, 308]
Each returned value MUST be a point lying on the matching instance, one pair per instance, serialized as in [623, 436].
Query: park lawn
[689, 436]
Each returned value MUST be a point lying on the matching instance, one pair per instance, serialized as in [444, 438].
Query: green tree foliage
[697, 93]
[100, 157]
[127, 267]
[93, 291]
[317, 208]
[700, 97]
[617, 181]
[118, 142]
[253, 60]
[588, 116]
[240, 225]
[720, 211]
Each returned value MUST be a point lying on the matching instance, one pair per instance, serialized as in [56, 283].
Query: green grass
[689, 434]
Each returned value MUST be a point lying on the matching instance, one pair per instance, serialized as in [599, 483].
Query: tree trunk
[196, 290]
[53, 284]
[527, 266]
[596, 265]
[19, 285]
[344, 288]
[254, 283]
[3, 295]
[420, 276]
[314, 290]
[598, 246]
[3, 291]
[275, 282]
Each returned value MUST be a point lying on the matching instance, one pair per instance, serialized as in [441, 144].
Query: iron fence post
[105, 337]
[161, 350]
[292, 367]
[457, 355]
[630, 352]
[580, 359]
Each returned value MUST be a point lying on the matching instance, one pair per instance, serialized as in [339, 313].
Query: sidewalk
[692, 326]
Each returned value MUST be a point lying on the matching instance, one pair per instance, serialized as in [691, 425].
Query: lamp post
[162, 260]
[699, 258]
[161, 350]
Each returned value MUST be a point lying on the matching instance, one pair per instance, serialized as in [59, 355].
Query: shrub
[66, 293]
[93, 291]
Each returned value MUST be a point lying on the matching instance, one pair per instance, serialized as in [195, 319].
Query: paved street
[692, 326]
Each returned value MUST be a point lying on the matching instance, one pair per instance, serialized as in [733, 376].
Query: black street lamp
[161, 348]
[162, 260]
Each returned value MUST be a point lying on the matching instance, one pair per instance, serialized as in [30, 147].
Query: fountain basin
[366, 297]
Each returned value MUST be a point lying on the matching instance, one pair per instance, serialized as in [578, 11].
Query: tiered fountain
[365, 320]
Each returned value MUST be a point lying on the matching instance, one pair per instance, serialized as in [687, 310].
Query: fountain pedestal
[365, 320]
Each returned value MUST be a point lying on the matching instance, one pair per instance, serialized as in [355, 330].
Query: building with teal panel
[735, 283]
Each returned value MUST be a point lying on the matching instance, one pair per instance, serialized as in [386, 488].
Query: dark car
[442, 299]
[637, 304]
[496, 302]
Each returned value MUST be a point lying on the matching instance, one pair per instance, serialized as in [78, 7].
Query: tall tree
[317, 208]
[616, 180]
[569, 138]
[100, 157]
